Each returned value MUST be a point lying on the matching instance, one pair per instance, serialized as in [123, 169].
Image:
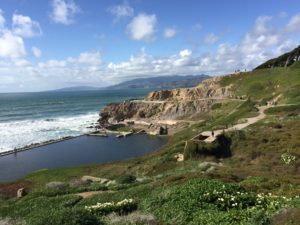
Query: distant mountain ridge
[76, 88]
[162, 82]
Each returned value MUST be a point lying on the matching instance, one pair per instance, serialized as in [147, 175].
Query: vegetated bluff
[284, 60]
[167, 104]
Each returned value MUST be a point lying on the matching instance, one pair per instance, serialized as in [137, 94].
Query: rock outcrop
[167, 104]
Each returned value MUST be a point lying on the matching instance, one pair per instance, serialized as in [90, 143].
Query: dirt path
[91, 193]
[261, 115]
[198, 99]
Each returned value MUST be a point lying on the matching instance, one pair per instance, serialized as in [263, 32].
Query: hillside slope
[284, 60]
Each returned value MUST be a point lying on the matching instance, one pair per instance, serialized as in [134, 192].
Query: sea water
[27, 118]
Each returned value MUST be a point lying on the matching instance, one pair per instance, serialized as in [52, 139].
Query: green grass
[265, 83]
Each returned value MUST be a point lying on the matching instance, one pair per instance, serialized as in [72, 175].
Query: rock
[208, 166]
[21, 192]
[179, 157]
[94, 179]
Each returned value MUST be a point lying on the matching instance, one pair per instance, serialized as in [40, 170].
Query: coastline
[41, 144]
[36, 145]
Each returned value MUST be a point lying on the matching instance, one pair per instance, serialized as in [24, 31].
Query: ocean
[27, 118]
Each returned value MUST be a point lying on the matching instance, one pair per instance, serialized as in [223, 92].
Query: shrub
[126, 179]
[64, 217]
[216, 106]
[213, 202]
[190, 150]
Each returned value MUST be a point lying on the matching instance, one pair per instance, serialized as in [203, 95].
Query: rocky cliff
[167, 104]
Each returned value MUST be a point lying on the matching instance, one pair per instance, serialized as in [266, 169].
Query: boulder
[21, 192]
[94, 179]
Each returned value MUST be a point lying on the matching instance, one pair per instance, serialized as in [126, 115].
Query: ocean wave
[17, 134]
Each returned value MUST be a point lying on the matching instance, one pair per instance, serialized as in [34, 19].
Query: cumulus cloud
[63, 11]
[142, 27]
[11, 45]
[294, 24]
[85, 59]
[36, 52]
[90, 58]
[260, 43]
[24, 26]
[11, 40]
[210, 39]
[22, 63]
[169, 32]
[121, 11]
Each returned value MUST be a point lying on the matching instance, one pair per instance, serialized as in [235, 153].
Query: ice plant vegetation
[121, 207]
[288, 158]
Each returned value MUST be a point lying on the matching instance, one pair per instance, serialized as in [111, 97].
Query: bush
[216, 106]
[64, 217]
[126, 179]
[214, 202]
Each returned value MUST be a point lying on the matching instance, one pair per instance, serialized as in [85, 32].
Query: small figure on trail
[213, 133]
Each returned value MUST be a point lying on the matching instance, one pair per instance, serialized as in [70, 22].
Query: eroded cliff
[167, 104]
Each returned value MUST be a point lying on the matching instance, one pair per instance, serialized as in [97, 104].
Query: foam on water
[17, 134]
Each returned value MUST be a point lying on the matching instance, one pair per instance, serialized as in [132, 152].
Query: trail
[261, 115]
[198, 99]
[92, 193]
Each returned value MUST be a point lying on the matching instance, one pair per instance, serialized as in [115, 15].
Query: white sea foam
[17, 134]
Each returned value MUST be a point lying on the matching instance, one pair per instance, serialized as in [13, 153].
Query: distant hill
[76, 88]
[162, 82]
[284, 60]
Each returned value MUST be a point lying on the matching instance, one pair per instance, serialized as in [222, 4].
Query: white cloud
[52, 63]
[24, 26]
[63, 11]
[170, 32]
[36, 52]
[142, 27]
[11, 45]
[260, 43]
[294, 24]
[90, 58]
[121, 11]
[210, 39]
[21, 62]
[185, 53]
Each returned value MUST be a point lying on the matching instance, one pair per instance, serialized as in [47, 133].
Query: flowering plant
[121, 207]
[288, 158]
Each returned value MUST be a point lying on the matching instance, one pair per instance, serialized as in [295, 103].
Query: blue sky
[60, 43]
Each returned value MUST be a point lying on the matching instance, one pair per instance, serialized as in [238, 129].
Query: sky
[51, 44]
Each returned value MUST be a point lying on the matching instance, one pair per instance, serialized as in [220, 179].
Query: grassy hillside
[257, 183]
[264, 84]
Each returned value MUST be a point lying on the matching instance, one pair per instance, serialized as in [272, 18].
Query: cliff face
[167, 104]
[207, 89]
